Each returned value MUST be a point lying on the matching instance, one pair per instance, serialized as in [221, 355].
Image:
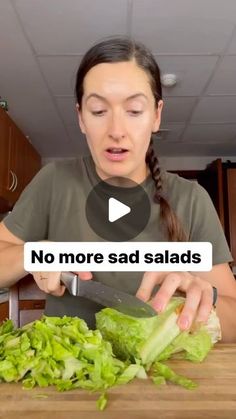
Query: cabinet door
[231, 193]
[4, 151]
[4, 311]
[27, 301]
[17, 163]
[32, 163]
[24, 160]
[212, 180]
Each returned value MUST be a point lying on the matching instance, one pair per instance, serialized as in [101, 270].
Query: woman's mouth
[116, 153]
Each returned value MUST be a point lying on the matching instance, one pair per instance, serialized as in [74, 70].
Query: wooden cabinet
[212, 180]
[19, 161]
[219, 179]
[230, 200]
[26, 301]
[4, 311]
[4, 150]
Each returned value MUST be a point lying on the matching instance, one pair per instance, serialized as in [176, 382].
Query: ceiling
[42, 42]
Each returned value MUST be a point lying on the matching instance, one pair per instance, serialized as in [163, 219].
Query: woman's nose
[116, 129]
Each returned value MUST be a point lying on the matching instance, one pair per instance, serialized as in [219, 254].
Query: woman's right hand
[50, 283]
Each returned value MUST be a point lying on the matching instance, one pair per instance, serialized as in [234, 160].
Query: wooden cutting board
[215, 396]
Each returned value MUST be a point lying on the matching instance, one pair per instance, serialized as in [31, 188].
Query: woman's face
[118, 116]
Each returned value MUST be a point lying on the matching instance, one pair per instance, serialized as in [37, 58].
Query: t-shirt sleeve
[29, 218]
[206, 226]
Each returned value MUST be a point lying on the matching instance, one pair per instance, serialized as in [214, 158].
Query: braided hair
[118, 49]
[174, 229]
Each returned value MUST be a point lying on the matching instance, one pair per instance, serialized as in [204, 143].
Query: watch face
[215, 294]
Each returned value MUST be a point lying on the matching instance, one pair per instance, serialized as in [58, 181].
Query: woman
[119, 105]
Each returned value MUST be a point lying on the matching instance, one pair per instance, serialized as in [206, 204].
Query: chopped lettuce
[65, 353]
[102, 401]
[61, 352]
[166, 373]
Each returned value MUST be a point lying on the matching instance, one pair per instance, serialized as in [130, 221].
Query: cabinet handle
[16, 183]
[37, 306]
[13, 180]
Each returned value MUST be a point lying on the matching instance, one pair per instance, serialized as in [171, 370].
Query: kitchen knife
[106, 296]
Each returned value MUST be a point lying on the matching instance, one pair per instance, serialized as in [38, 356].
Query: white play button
[116, 209]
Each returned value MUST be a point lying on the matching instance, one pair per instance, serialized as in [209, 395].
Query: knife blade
[106, 296]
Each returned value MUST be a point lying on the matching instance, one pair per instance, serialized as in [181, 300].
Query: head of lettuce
[157, 338]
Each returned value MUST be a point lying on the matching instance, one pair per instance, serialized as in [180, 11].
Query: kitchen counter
[215, 396]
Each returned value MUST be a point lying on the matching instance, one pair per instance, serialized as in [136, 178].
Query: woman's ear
[80, 119]
[157, 117]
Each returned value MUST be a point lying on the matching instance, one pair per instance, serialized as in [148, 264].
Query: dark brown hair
[118, 49]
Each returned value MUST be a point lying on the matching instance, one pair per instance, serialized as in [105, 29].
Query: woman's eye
[101, 113]
[98, 113]
[135, 113]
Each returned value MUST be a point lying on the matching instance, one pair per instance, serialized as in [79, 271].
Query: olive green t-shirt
[52, 207]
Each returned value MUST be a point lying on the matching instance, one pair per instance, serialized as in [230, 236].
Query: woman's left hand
[199, 294]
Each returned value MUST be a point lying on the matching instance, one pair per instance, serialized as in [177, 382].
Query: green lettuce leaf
[161, 370]
[192, 346]
[141, 338]
[102, 401]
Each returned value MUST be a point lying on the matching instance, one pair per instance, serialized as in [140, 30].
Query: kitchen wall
[190, 163]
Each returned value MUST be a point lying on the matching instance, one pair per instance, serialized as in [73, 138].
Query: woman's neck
[123, 181]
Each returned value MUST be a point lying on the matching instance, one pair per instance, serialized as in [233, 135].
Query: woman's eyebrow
[96, 95]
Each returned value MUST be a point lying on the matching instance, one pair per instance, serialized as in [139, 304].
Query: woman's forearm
[11, 264]
[226, 309]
